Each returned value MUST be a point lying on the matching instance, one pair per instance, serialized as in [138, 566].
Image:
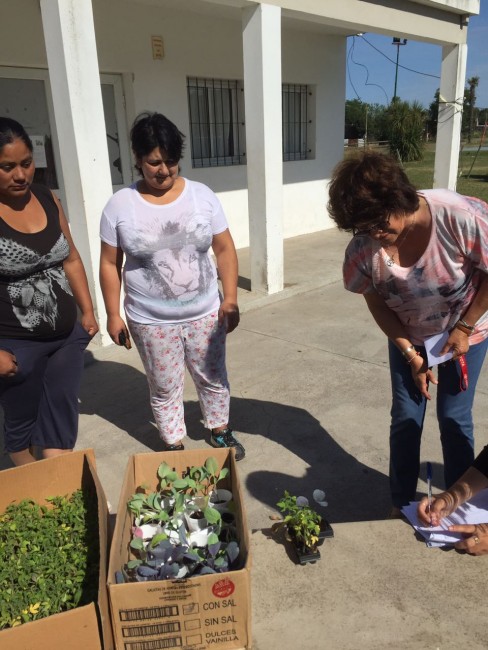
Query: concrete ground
[311, 398]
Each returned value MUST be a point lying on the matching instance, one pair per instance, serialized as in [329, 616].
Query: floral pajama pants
[165, 351]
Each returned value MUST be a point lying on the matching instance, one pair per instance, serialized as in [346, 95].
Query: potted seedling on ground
[304, 527]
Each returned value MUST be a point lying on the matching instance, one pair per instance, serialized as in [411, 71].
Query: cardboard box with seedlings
[87, 626]
[196, 612]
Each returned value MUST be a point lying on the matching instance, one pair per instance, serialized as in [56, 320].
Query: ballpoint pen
[429, 489]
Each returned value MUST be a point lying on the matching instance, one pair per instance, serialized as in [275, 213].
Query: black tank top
[36, 301]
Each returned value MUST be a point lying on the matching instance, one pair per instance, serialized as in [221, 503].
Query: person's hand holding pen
[431, 511]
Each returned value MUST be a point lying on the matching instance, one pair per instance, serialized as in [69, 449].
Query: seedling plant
[49, 557]
[172, 551]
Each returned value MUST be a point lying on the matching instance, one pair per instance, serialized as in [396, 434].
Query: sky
[371, 65]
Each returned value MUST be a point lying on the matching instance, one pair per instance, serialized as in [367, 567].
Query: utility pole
[398, 42]
[366, 128]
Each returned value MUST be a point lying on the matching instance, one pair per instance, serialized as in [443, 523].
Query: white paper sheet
[433, 346]
[474, 511]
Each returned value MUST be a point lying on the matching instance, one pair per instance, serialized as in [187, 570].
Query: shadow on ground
[118, 393]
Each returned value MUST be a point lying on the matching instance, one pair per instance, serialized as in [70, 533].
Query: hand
[229, 314]
[476, 541]
[89, 323]
[8, 364]
[115, 325]
[422, 375]
[457, 343]
[441, 506]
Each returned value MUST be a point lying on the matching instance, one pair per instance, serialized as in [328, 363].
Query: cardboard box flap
[44, 478]
[52, 633]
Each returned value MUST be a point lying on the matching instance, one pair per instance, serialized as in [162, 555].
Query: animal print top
[36, 301]
[169, 276]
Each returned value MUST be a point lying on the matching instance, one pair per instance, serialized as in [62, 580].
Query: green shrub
[406, 123]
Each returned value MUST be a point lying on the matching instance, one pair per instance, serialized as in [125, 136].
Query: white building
[75, 73]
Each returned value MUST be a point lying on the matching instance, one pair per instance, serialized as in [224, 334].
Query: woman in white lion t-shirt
[165, 225]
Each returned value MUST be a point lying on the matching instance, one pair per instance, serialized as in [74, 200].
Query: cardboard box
[82, 628]
[194, 613]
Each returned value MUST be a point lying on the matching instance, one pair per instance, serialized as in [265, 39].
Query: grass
[421, 173]
[471, 163]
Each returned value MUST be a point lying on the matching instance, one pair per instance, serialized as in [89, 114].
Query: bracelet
[464, 324]
[407, 350]
[417, 354]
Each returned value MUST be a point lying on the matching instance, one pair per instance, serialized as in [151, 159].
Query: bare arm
[470, 483]
[111, 259]
[458, 340]
[475, 541]
[388, 322]
[76, 275]
[227, 265]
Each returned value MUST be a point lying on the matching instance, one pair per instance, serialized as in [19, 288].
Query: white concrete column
[262, 96]
[451, 99]
[78, 110]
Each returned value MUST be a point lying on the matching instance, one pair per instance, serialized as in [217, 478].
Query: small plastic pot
[220, 499]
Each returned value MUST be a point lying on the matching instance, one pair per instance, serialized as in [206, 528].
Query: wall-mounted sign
[39, 150]
[157, 47]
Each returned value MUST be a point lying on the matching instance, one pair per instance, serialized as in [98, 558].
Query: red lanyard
[463, 380]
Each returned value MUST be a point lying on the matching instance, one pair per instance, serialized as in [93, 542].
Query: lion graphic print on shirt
[179, 269]
[169, 275]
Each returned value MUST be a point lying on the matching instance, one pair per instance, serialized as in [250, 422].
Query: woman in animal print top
[42, 281]
[164, 226]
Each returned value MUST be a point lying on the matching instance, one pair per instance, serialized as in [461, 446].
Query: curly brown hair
[367, 189]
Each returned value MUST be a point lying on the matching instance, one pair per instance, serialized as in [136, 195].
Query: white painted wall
[194, 46]
[204, 46]
[211, 46]
[317, 61]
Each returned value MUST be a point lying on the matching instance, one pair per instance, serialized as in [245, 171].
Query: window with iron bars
[216, 122]
[295, 105]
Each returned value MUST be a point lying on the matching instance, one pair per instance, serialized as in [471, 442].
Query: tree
[433, 114]
[356, 112]
[362, 118]
[482, 115]
[469, 106]
[406, 124]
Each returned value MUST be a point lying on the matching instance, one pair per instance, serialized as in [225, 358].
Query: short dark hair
[153, 130]
[367, 189]
[11, 130]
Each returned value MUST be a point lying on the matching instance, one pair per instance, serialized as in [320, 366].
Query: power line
[367, 83]
[425, 74]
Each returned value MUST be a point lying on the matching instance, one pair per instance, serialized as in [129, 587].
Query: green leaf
[157, 538]
[212, 515]
[163, 470]
[212, 539]
[137, 543]
[133, 564]
[180, 484]
[212, 465]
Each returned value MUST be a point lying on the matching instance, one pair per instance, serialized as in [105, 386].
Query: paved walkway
[311, 396]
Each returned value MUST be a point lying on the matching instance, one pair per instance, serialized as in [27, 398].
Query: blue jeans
[454, 414]
[40, 402]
